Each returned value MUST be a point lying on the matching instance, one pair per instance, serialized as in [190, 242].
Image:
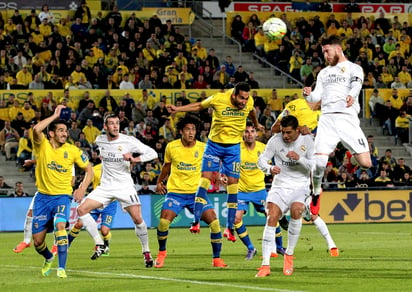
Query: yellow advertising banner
[176, 15]
[171, 95]
[364, 206]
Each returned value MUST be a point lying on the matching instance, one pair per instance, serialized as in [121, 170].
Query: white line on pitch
[166, 279]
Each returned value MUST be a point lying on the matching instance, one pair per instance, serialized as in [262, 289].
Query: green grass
[374, 257]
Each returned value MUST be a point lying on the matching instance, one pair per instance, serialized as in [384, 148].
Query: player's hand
[58, 110]
[260, 127]
[161, 188]
[307, 91]
[78, 195]
[171, 108]
[275, 170]
[28, 162]
[349, 101]
[293, 155]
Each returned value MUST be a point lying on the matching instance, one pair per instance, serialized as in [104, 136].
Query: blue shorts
[106, 213]
[258, 200]
[177, 202]
[48, 208]
[223, 159]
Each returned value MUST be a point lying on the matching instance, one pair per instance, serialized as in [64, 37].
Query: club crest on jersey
[303, 148]
[343, 69]
[66, 155]
[196, 154]
[119, 148]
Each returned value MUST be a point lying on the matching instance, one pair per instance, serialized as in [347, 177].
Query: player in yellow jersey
[181, 169]
[230, 112]
[307, 115]
[107, 215]
[51, 208]
[252, 189]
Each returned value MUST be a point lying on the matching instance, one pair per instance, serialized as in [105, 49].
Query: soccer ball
[274, 28]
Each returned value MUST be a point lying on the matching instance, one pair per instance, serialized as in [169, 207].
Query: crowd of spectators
[382, 46]
[99, 53]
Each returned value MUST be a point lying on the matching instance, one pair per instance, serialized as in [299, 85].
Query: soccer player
[252, 189]
[230, 112]
[308, 115]
[51, 207]
[107, 215]
[181, 169]
[117, 151]
[293, 155]
[337, 87]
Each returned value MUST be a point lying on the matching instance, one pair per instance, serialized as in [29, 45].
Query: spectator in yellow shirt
[24, 77]
[90, 132]
[27, 111]
[77, 74]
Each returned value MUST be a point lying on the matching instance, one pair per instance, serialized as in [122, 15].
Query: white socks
[91, 227]
[141, 232]
[28, 229]
[268, 244]
[324, 231]
[295, 226]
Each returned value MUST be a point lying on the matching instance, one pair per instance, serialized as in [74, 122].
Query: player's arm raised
[191, 107]
[40, 126]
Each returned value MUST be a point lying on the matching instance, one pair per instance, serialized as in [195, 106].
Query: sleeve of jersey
[207, 102]
[146, 153]
[82, 158]
[308, 161]
[316, 95]
[356, 81]
[266, 156]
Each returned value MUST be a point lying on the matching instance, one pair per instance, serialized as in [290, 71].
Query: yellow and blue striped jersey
[252, 179]
[300, 109]
[185, 166]
[228, 122]
[54, 167]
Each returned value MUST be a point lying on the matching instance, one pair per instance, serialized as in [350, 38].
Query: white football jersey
[334, 84]
[294, 173]
[116, 170]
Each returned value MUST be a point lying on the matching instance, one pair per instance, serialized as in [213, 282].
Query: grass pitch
[373, 257]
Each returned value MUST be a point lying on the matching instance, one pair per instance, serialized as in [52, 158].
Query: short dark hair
[332, 40]
[289, 121]
[241, 86]
[53, 125]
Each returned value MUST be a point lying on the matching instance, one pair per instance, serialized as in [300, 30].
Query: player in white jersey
[293, 155]
[117, 151]
[337, 87]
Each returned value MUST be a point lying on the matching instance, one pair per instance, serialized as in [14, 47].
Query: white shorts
[126, 196]
[335, 128]
[284, 197]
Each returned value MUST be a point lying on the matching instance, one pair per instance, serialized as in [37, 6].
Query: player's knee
[163, 225]
[59, 223]
[320, 164]
[214, 226]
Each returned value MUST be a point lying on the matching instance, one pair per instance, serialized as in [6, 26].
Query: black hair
[187, 119]
[53, 125]
[289, 121]
[241, 86]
